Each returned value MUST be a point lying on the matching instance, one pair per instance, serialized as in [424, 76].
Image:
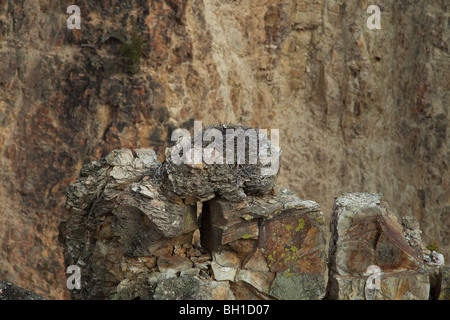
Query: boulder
[194, 177]
[368, 243]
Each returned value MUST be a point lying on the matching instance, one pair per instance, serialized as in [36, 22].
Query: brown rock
[241, 247]
[173, 264]
[260, 280]
[227, 258]
[405, 285]
[245, 291]
[294, 241]
[257, 262]
[365, 233]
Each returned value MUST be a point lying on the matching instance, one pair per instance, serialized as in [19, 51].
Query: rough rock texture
[357, 109]
[9, 291]
[445, 286]
[132, 241]
[366, 234]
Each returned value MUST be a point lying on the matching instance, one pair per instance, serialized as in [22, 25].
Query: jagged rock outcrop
[357, 109]
[133, 235]
[370, 244]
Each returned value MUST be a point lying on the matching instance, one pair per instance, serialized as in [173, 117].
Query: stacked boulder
[140, 229]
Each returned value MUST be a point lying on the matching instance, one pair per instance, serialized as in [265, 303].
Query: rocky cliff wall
[358, 109]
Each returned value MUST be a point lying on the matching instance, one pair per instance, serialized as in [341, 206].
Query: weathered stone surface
[295, 242]
[260, 280]
[257, 262]
[196, 180]
[366, 233]
[405, 285]
[296, 286]
[191, 288]
[118, 216]
[357, 109]
[294, 246]
[433, 260]
[8, 291]
[222, 273]
[142, 218]
[132, 241]
[173, 264]
[445, 284]
[224, 222]
[227, 258]
[245, 291]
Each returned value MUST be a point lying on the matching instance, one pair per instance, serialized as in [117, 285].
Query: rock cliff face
[357, 109]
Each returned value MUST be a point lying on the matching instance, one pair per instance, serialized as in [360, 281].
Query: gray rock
[290, 286]
[192, 288]
[202, 181]
[8, 291]
[445, 284]
[222, 273]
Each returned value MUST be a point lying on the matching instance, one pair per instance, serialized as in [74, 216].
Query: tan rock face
[357, 109]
